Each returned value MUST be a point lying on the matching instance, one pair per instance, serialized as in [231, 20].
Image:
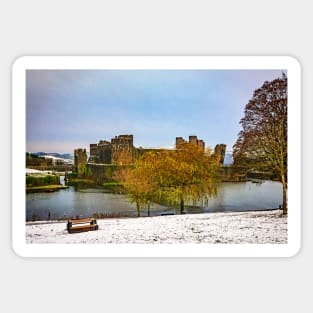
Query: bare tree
[262, 143]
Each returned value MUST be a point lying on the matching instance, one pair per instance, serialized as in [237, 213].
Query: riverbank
[236, 227]
[48, 188]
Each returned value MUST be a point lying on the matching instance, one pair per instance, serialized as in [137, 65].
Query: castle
[121, 151]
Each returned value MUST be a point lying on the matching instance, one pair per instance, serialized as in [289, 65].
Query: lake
[86, 202]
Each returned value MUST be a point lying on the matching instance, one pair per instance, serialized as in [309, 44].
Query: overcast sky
[69, 109]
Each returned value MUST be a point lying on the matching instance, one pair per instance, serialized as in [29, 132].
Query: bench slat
[84, 226]
[82, 220]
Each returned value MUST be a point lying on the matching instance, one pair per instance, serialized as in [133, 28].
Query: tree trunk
[148, 208]
[285, 210]
[138, 208]
[181, 206]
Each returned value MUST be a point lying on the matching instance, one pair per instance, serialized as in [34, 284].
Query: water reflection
[84, 201]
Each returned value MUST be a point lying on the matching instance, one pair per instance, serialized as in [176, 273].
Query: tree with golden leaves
[178, 176]
[138, 183]
[187, 174]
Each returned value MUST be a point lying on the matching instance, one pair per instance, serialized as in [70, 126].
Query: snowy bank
[235, 227]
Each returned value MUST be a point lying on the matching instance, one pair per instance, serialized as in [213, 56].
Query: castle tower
[122, 149]
[94, 153]
[201, 145]
[193, 140]
[105, 152]
[80, 160]
[180, 141]
[219, 152]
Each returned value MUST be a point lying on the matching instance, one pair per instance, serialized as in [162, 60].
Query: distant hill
[45, 158]
[56, 155]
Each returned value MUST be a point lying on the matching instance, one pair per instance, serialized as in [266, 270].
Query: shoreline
[48, 188]
[64, 220]
[233, 227]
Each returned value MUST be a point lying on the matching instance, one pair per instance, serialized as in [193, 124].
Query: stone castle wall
[121, 151]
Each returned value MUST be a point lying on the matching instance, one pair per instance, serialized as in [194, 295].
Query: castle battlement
[120, 150]
[193, 140]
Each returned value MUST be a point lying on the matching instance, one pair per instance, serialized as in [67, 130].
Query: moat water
[88, 201]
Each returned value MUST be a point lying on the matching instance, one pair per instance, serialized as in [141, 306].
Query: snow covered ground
[240, 227]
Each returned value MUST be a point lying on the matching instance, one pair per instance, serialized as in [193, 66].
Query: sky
[69, 109]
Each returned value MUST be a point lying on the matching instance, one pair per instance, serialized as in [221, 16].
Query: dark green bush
[42, 180]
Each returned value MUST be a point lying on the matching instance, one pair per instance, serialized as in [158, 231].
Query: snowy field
[240, 227]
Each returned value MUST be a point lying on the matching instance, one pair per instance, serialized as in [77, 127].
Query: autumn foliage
[177, 176]
[262, 143]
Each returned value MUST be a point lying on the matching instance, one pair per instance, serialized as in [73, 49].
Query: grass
[81, 180]
[112, 184]
[114, 187]
[47, 188]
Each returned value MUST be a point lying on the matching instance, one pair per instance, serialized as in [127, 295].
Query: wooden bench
[82, 224]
